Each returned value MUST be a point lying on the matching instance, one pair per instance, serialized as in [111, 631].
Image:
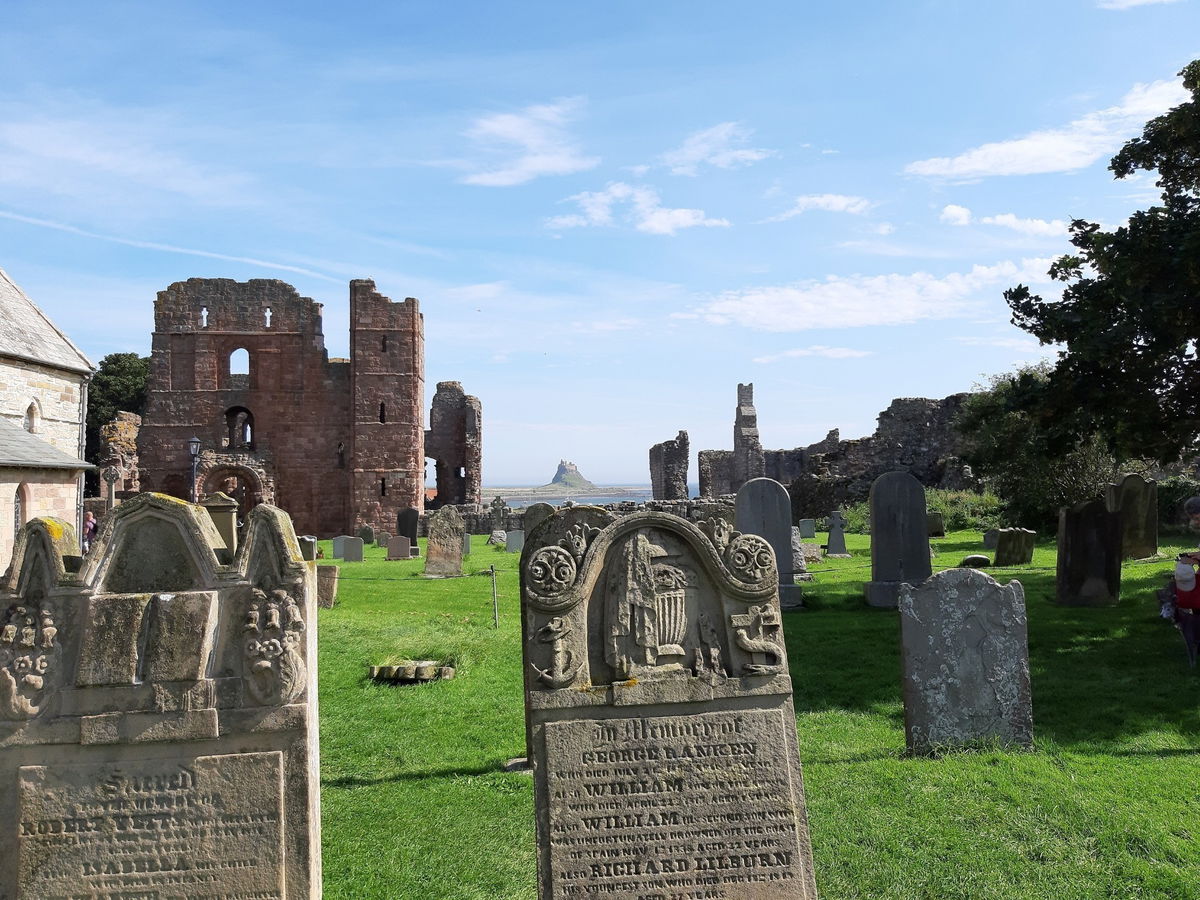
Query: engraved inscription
[674, 808]
[208, 828]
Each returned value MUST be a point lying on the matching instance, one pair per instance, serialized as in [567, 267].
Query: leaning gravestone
[936, 524]
[535, 515]
[965, 649]
[398, 547]
[1014, 546]
[1089, 555]
[763, 507]
[339, 545]
[808, 528]
[352, 549]
[659, 706]
[157, 738]
[1136, 499]
[836, 545]
[443, 551]
[366, 534]
[406, 525]
[899, 537]
[514, 541]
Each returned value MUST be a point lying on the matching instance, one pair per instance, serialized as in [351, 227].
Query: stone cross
[111, 476]
[837, 535]
[899, 537]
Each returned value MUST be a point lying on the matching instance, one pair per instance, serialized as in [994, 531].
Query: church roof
[28, 451]
[26, 332]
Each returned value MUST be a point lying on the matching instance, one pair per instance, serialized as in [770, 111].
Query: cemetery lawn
[415, 803]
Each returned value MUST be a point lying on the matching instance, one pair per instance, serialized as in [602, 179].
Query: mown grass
[415, 805]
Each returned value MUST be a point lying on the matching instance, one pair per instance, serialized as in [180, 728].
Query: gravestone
[1089, 555]
[535, 515]
[514, 541]
[965, 650]
[836, 546]
[308, 547]
[990, 538]
[352, 549]
[399, 548]
[382, 538]
[936, 523]
[339, 545]
[498, 539]
[763, 507]
[466, 543]
[1014, 546]
[406, 525]
[443, 551]
[975, 561]
[1136, 499]
[799, 561]
[157, 738]
[808, 528]
[366, 534]
[327, 585]
[899, 537]
[499, 514]
[659, 707]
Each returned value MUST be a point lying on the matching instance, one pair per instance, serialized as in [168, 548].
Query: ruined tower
[669, 469]
[454, 442]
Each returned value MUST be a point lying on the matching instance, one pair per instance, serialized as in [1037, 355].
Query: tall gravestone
[899, 537]
[1136, 499]
[443, 547]
[158, 732]
[406, 525]
[763, 507]
[535, 515]
[1014, 546]
[659, 706]
[836, 545]
[1089, 555]
[965, 649]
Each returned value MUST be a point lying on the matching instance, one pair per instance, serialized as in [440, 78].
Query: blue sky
[611, 213]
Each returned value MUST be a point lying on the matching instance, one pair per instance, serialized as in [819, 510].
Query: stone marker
[156, 734]
[514, 541]
[808, 528]
[223, 509]
[352, 549]
[443, 553]
[499, 514]
[660, 715]
[1089, 555]
[799, 562]
[339, 545]
[399, 548]
[936, 524]
[1014, 546]
[498, 538]
[899, 537]
[406, 524]
[975, 561]
[763, 507]
[366, 534]
[535, 515]
[966, 662]
[466, 543]
[327, 584]
[308, 547]
[1136, 499]
[837, 535]
[382, 538]
[990, 538]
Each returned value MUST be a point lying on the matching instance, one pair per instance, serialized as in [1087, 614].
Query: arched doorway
[238, 482]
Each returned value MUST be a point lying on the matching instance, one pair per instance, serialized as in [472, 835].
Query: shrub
[961, 511]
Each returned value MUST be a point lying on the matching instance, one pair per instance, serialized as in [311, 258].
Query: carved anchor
[760, 618]
[560, 673]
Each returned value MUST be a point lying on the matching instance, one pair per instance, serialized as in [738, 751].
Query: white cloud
[884, 228]
[721, 146]
[1074, 146]
[1128, 4]
[828, 202]
[815, 350]
[1034, 227]
[860, 300]
[643, 209]
[955, 215]
[539, 136]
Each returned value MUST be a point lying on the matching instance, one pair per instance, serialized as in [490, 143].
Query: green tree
[119, 385]
[1129, 317]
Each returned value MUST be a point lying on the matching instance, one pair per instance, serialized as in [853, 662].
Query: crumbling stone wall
[118, 450]
[669, 469]
[454, 441]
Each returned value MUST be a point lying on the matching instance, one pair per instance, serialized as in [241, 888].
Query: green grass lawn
[414, 804]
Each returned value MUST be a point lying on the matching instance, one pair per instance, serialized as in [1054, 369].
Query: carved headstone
[499, 514]
[352, 549]
[763, 507]
[535, 515]
[936, 524]
[660, 715]
[327, 585]
[836, 546]
[443, 553]
[1014, 546]
[899, 537]
[407, 521]
[808, 528]
[366, 534]
[1089, 555]
[1136, 499]
[965, 651]
[155, 707]
[399, 548]
[514, 541]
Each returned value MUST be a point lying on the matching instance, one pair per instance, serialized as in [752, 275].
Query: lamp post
[194, 451]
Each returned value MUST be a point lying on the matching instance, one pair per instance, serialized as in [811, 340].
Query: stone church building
[337, 443]
[43, 403]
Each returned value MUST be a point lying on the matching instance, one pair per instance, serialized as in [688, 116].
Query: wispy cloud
[538, 135]
[952, 214]
[1070, 148]
[643, 208]
[841, 203]
[815, 350]
[1128, 4]
[961, 216]
[860, 300]
[722, 146]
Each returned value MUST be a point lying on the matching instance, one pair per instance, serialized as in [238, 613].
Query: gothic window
[239, 428]
[19, 507]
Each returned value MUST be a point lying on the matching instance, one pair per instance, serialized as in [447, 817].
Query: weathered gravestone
[899, 537]
[352, 549]
[660, 713]
[308, 547]
[366, 534]
[1014, 546]
[382, 538]
[763, 507]
[935, 524]
[406, 525]
[514, 541]
[443, 550]
[799, 562]
[808, 528]
[1089, 555]
[158, 736]
[1136, 499]
[499, 514]
[327, 585]
[990, 538]
[535, 515]
[498, 539]
[399, 548]
[965, 652]
[339, 545]
[836, 546]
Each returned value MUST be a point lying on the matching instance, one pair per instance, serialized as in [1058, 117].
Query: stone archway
[242, 477]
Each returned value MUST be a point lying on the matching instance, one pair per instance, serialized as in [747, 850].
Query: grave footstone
[1089, 555]
[965, 652]
[327, 585]
[660, 714]
[366, 534]
[1014, 546]
[514, 541]
[936, 524]
[535, 515]
[407, 521]
[899, 537]
[158, 739]
[399, 548]
[808, 528]
[763, 507]
[339, 545]
[1136, 499]
[836, 546]
[443, 550]
[352, 549]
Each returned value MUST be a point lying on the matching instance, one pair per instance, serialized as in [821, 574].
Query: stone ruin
[118, 450]
[669, 469]
[158, 732]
